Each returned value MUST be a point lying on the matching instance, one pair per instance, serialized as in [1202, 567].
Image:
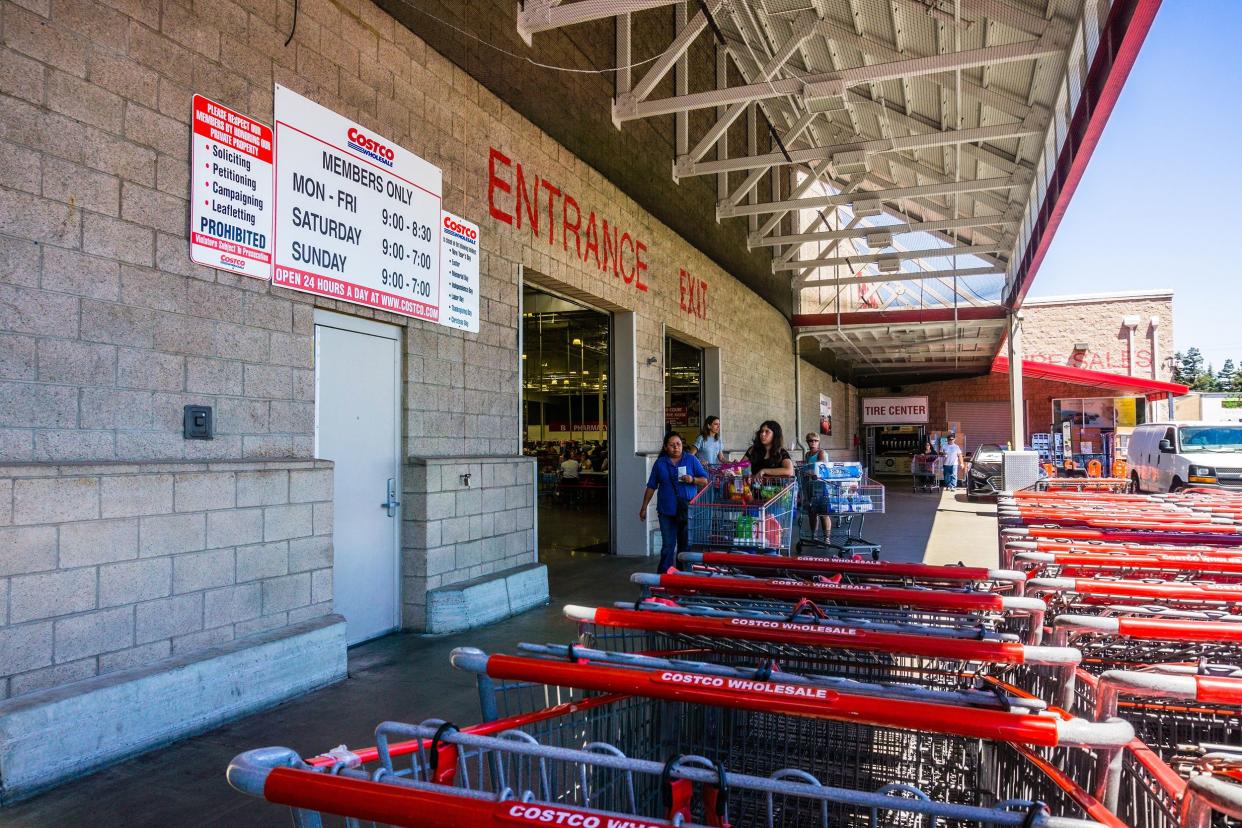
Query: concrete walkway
[407, 677]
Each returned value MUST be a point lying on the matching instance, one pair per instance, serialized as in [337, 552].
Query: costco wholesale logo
[369, 147]
[232, 262]
[460, 229]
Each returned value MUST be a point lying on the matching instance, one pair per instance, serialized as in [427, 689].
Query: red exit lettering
[528, 199]
[693, 295]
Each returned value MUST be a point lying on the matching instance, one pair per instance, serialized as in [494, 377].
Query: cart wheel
[798, 547]
[875, 554]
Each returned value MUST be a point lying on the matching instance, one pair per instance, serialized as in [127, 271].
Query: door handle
[391, 504]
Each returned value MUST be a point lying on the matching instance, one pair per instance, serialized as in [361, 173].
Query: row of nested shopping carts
[1092, 679]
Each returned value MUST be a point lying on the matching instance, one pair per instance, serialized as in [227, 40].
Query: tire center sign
[894, 410]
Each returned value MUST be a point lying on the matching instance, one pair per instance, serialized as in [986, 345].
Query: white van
[1167, 456]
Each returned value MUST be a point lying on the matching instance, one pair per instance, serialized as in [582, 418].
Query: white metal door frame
[368, 327]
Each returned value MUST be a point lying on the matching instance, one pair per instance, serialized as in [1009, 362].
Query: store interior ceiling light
[892, 264]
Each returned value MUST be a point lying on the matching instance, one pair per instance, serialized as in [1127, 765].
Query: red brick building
[1095, 365]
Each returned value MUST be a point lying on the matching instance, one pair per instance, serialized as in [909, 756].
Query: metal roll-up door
[980, 422]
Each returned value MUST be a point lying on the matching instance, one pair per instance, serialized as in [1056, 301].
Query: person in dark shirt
[767, 454]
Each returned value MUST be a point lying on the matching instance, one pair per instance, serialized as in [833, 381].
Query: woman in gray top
[707, 448]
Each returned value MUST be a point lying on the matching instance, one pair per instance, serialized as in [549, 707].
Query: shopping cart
[813, 645]
[1213, 795]
[741, 517]
[860, 571]
[761, 722]
[1021, 616]
[433, 775]
[925, 470]
[1175, 567]
[1084, 595]
[841, 491]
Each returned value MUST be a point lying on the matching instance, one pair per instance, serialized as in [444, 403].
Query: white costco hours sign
[230, 191]
[894, 410]
[357, 217]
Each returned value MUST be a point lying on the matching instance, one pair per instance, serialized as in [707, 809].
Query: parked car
[985, 474]
[1169, 456]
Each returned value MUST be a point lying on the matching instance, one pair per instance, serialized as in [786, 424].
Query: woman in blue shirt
[676, 476]
[707, 447]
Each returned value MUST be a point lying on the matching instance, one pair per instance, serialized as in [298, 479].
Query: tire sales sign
[357, 217]
[231, 191]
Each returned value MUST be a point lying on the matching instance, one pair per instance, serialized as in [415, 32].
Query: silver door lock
[391, 503]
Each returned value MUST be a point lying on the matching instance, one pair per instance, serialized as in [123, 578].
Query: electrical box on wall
[197, 423]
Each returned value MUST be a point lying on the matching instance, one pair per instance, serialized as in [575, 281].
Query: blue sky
[1156, 207]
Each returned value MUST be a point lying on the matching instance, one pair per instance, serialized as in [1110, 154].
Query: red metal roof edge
[1151, 388]
[1120, 40]
[965, 313]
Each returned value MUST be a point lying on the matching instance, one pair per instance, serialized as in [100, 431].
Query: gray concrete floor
[407, 677]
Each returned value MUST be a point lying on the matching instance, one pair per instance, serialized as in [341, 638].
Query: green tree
[1226, 376]
[1206, 380]
[1189, 366]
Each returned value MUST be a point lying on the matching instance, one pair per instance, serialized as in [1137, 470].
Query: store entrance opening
[565, 414]
[683, 389]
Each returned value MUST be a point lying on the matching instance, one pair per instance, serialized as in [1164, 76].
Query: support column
[1017, 428]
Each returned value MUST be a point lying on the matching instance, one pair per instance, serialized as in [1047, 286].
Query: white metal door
[357, 375]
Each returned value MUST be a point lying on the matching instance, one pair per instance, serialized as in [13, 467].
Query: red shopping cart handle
[927, 599]
[802, 700]
[1191, 563]
[1170, 629]
[1101, 548]
[829, 636]
[1218, 690]
[1175, 590]
[808, 563]
[777, 698]
[415, 808]
[1161, 537]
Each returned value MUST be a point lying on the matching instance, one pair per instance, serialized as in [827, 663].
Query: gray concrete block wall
[108, 566]
[455, 532]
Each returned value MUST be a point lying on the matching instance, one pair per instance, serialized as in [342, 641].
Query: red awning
[1149, 388]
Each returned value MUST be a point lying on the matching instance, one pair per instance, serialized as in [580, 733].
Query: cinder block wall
[108, 566]
[840, 445]
[107, 329]
[457, 530]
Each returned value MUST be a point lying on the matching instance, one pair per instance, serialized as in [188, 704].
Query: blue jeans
[950, 476]
[675, 537]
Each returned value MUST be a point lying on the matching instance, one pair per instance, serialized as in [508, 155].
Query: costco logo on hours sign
[370, 147]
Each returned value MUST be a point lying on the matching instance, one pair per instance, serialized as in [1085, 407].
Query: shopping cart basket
[437, 776]
[736, 519]
[924, 469]
[861, 571]
[974, 627]
[1213, 795]
[753, 722]
[848, 501]
[1020, 615]
[1173, 706]
[812, 645]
